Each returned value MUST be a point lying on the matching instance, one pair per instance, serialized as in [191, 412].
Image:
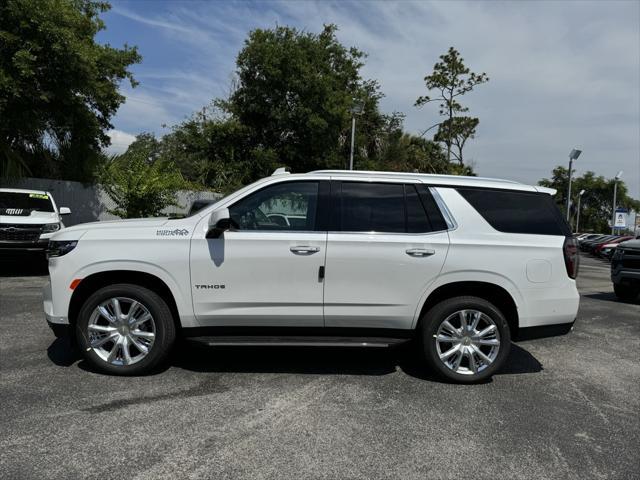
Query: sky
[563, 73]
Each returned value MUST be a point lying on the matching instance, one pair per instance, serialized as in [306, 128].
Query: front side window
[287, 206]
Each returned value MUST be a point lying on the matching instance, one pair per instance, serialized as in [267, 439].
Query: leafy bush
[140, 182]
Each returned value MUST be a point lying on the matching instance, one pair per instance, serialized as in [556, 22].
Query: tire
[157, 334]
[494, 344]
[628, 293]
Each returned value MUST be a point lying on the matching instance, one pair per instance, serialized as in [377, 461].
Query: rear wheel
[626, 292]
[125, 330]
[465, 339]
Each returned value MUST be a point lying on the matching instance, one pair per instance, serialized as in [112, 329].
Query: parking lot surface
[564, 407]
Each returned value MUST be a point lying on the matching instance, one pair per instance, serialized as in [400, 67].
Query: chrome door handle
[420, 252]
[304, 250]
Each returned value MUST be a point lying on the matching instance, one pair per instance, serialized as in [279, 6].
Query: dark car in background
[625, 270]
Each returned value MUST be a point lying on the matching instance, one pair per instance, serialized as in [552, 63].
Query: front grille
[630, 259]
[16, 232]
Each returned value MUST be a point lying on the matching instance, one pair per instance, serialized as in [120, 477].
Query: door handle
[304, 250]
[420, 252]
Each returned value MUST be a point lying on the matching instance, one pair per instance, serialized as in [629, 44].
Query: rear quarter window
[517, 212]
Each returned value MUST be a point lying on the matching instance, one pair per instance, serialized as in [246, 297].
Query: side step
[297, 341]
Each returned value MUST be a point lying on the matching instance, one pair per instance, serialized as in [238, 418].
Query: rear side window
[372, 207]
[386, 207]
[517, 212]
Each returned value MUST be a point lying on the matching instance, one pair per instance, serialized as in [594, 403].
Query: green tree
[596, 204]
[217, 152]
[294, 93]
[58, 87]
[451, 79]
[140, 182]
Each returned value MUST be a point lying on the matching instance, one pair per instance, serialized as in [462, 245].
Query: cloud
[563, 74]
[120, 141]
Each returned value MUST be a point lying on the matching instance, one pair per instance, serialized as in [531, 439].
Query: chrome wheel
[467, 341]
[121, 331]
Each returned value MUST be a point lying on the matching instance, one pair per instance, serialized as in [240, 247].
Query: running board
[296, 341]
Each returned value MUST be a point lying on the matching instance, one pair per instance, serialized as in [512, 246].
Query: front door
[267, 271]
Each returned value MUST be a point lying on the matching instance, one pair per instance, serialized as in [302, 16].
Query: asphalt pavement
[564, 407]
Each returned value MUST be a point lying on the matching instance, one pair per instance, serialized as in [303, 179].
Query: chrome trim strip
[448, 218]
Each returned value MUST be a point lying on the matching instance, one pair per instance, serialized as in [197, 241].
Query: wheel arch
[491, 292]
[99, 280]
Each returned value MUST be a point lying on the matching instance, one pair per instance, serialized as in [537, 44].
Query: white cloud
[119, 141]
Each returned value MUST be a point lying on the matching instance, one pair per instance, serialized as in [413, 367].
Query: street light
[615, 194]
[357, 109]
[573, 155]
[578, 216]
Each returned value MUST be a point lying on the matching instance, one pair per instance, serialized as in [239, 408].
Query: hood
[635, 244]
[34, 218]
[129, 223]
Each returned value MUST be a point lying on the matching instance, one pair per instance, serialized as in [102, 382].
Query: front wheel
[125, 330]
[465, 339]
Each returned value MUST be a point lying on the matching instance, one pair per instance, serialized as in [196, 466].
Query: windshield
[39, 202]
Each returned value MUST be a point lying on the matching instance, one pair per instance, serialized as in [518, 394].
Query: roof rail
[280, 171]
[431, 175]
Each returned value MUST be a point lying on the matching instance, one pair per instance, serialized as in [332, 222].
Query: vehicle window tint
[517, 212]
[438, 223]
[417, 220]
[39, 202]
[372, 207]
[287, 206]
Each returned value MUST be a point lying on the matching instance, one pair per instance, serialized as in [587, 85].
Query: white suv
[28, 218]
[461, 264]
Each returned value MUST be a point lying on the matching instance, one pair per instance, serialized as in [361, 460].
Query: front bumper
[16, 246]
[625, 277]
[47, 303]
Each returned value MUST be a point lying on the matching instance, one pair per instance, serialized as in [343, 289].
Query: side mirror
[219, 222]
[65, 210]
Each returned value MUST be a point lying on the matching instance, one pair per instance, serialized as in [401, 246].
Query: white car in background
[28, 218]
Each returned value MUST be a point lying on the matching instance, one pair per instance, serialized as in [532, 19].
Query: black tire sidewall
[626, 292]
[434, 317]
[164, 326]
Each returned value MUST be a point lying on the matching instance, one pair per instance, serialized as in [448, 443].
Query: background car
[606, 249]
[625, 270]
[28, 218]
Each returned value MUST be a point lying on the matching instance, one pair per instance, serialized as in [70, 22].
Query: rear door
[387, 245]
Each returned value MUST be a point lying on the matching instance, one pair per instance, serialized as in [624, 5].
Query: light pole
[578, 215]
[573, 155]
[357, 109]
[615, 194]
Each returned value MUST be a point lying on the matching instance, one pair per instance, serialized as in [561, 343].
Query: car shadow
[63, 352]
[22, 265]
[610, 297]
[298, 360]
[328, 361]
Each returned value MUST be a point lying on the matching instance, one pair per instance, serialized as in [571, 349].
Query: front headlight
[58, 248]
[50, 227]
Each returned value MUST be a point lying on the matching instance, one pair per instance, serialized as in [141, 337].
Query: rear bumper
[544, 331]
[549, 306]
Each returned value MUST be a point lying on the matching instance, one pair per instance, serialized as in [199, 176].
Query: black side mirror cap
[222, 226]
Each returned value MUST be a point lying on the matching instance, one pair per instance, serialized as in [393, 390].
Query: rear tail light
[571, 256]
